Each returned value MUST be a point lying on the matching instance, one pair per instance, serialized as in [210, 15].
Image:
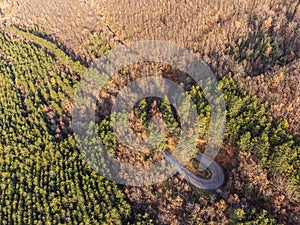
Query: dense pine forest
[44, 179]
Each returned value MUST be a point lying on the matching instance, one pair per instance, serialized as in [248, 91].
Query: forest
[48, 177]
[45, 179]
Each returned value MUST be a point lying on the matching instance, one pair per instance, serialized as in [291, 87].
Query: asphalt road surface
[216, 179]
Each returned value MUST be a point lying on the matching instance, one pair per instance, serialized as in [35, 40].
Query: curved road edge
[213, 183]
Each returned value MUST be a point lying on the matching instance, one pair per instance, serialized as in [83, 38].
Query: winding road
[216, 179]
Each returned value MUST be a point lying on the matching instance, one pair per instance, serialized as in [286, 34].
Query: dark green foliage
[172, 124]
[44, 180]
[143, 219]
[36, 30]
[97, 45]
[251, 217]
[261, 52]
[58, 53]
[250, 129]
[143, 112]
